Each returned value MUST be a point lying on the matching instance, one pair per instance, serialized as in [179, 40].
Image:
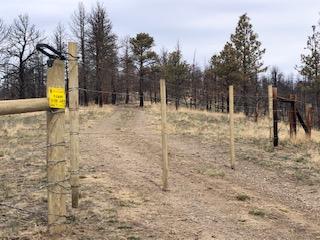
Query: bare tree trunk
[155, 96]
[141, 87]
[222, 103]
[22, 87]
[113, 98]
[113, 87]
[150, 96]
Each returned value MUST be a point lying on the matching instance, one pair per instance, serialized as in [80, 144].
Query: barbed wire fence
[253, 106]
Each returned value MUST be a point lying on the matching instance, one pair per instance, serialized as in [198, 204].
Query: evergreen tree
[154, 75]
[310, 62]
[103, 53]
[196, 83]
[310, 66]
[226, 65]
[177, 71]
[249, 54]
[143, 56]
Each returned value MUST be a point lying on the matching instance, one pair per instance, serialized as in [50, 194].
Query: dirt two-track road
[121, 196]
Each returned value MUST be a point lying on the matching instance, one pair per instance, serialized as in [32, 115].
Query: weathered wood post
[309, 118]
[231, 119]
[292, 116]
[270, 101]
[275, 116]
[165, 167]
[74, 123]
[56, 148]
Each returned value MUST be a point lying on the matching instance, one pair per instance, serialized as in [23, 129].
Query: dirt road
[122, 197]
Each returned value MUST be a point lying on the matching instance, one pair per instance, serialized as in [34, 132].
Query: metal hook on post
[50, 52]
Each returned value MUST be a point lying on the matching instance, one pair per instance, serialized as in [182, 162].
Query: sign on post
[57, 98]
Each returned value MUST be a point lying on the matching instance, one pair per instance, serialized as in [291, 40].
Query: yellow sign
[57, 98]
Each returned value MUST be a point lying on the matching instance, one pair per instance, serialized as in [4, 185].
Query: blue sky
[201, 26]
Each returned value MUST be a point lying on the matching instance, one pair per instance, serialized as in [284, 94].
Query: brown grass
[23, 171]
[299, 156]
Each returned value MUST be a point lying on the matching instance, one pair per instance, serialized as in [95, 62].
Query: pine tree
[103, 54]
[154, 74]
[196, 83]
[177, 71]
[226, 65]
[143, 56]
[249, 54]
[310, 62]
[310, 65]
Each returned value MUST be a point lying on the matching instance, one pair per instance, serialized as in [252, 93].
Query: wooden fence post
[309, 118]
[270, 113]
[231, 119]
[56, 149]
[165, 167]
[275, 116]
[74, 123]
[292, 116]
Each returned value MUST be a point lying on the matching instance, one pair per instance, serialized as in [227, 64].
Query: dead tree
[21, 48]
[79, 28]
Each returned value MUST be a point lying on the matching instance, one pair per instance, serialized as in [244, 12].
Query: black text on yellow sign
[57, 98]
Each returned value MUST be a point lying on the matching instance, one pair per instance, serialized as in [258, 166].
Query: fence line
[57, 180]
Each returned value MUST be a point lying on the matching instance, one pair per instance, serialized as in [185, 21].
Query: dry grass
[23, 171]
[299, 156]
[208, 124]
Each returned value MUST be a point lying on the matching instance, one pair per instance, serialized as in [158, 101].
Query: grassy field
[299, 156]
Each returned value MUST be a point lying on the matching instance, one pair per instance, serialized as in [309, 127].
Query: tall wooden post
[231, 119]
[270, 101]
[74, 123]
[292, 116]
[275, 116]
[165, 167]
[56, 148]
[309, 118]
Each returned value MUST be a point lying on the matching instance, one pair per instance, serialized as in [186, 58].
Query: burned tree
[79, 29]
[21, 49]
